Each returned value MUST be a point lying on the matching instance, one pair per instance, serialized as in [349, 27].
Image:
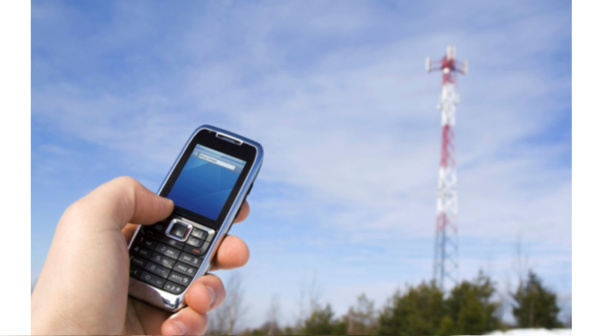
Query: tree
[536, 306]
[321, 322]
[264, 329]
[362, 319]
[309, 295]
[227, 317]
[417, 312]
[271, 326]
[447, 327]
[470, 308]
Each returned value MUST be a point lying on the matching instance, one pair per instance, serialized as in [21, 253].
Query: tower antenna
[445, 264]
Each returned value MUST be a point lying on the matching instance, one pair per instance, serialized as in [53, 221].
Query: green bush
[535, 306]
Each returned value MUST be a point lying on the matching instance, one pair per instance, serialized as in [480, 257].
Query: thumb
[127, 201]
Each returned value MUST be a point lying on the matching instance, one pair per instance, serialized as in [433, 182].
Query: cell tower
[445, 264]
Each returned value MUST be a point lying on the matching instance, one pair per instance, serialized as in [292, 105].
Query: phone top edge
[257, 164]
[259, 150]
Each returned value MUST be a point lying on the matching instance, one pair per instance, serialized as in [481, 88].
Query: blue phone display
[206, 181]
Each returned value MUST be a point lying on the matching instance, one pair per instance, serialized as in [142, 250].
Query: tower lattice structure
[445, 264]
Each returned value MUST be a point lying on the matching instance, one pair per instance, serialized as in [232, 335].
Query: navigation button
[201, 234]
[179, 230]
[194, 241]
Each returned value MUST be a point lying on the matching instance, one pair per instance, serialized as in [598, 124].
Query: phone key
[179, 278]
[185, 269]
[137, 262]
[194, 241]
[201, 234]
[162, 260]
[168, 251]
[158, 227]
[172, 242]
[173, 288]
[179, 230]
[152, 279]
[191, 260]
[135, 272]
[210, 236]
[204, 248]
[198, 251]
[147, 242]
[158, 270]
[149, 232]
[192, 250]
[140, 251]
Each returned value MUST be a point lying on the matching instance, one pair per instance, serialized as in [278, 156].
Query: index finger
[243, 212]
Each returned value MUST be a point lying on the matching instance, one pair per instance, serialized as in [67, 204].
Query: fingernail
[179, 327]
[212, 295]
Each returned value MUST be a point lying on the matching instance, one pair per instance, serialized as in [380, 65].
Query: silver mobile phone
[208, 183]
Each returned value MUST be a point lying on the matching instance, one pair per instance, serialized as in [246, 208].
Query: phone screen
[206, 181]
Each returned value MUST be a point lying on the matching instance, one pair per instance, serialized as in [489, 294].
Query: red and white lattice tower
[445, 265]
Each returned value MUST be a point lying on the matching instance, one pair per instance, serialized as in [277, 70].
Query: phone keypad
[167, 263]
[173, 288]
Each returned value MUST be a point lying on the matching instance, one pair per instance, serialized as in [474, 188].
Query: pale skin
[82, 288]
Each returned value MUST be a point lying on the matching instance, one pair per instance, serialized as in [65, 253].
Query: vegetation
[416, 312]
[470, 308]
[536, 306]
[321, 322]
[362, 319]
[423, 310]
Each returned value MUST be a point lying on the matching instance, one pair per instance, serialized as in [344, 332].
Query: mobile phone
[208, 183]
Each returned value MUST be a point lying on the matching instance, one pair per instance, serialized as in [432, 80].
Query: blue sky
[337, 94]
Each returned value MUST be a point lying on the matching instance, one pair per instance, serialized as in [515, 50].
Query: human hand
[83, 286]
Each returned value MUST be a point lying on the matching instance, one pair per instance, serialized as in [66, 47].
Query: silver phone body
[174, 302]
